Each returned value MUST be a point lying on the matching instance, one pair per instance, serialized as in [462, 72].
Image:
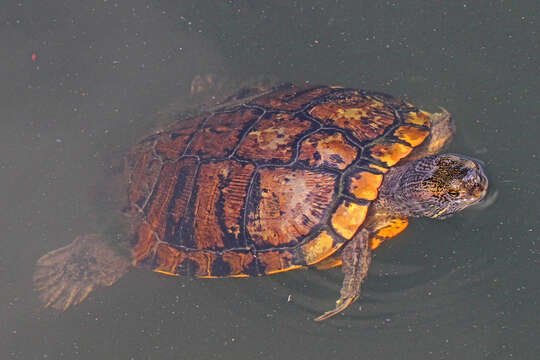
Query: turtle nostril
[472, 177]
[475, 183]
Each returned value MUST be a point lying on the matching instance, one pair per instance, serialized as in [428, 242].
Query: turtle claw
[341, 305]
[66, 276]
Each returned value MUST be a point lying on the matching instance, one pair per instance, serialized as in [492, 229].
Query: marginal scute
[167, 259]
[390, 153]
[393, 228]
[172, 261]
[419, 118]
[276, 261]
[329, 263]
[413, 135]
[328, 148]
[273, 138]
[238, 262]
[364, 185]
[318, 248]
[348, 218]
[204, 261]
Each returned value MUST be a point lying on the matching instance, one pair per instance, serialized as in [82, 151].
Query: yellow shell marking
[271, 272]
[165, 272]
[319, 248]
[329, 263]
[419, 118]
[364, 185]
[394, 227]
[377, 167]
[390, 153]
[410, 134]
[348, 217]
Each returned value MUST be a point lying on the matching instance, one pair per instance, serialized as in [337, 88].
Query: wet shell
[279, 182]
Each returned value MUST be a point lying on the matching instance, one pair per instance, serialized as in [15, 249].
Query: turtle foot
[65, 276]
[356, 257]
[341, 305]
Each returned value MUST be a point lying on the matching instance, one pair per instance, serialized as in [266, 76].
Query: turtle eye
[453, 193]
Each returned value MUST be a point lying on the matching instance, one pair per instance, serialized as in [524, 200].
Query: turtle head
[440, 185]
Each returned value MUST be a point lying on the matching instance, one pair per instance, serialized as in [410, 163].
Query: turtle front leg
[356, 257]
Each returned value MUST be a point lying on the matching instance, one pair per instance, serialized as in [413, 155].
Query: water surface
[83, 80]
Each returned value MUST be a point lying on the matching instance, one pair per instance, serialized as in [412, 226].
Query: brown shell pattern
[280, 182]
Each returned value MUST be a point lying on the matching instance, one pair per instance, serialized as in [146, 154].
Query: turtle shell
[278, 182]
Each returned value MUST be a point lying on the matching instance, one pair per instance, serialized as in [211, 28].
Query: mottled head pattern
[440, 185]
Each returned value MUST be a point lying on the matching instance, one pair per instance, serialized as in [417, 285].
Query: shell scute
[328, 148]
[363, 185]
[364, 116]
[348, 217]
[390, 153]
[221, 133]
[273, 137]
[171, 144]
[412, 135]
[215, 221]
[317, 249]
[272, 262]
[288, 205]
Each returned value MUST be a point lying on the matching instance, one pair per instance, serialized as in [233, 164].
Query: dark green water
[465, 288]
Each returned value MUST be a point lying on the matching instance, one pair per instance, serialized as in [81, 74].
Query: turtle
[288, 178]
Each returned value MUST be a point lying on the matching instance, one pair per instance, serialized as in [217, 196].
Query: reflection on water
[461, 288]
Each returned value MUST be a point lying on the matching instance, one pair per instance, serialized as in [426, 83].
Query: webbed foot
[65, 276]
[356, 257]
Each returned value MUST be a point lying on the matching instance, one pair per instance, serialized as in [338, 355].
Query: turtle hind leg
[65, 276]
